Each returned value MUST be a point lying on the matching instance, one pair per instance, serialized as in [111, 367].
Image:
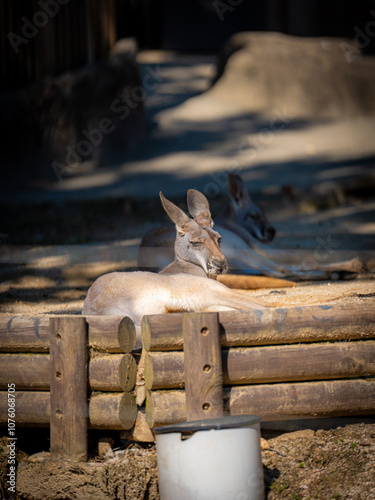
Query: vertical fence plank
[203, 369]
[69, 406]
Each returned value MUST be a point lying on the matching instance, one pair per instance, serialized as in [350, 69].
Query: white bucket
[213, 459]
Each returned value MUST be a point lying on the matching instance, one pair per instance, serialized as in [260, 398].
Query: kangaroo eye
[219, 241]
[195, 243]
[254, 217]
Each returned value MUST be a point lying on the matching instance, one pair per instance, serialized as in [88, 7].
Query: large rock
[306, 77]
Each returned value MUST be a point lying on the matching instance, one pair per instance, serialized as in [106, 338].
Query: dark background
[84, 31]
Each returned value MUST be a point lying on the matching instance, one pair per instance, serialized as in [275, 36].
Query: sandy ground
[195, 139]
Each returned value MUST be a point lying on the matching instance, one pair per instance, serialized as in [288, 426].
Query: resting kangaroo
[243, 225]
[181, 286]
[240, 217]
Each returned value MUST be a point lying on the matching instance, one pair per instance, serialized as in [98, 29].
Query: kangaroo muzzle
[217, 266]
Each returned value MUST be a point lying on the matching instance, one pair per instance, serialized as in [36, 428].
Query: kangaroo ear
[237, 189]
[176, 214]
[199, 208]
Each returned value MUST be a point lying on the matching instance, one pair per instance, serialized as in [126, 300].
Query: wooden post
[203, 371]
[69, 406]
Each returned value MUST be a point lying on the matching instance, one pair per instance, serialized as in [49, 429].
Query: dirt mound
[337, 463]
[325, 464]
[309, 77]
[129, 475]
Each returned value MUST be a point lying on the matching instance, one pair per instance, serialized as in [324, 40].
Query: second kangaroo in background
[246, 232]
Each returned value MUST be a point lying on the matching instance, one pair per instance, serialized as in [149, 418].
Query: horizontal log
[113, 334]
[112, 372]
[165, 407]
[338, 398]
[269, 326]
[246, 282]
[254, 365]
[24, 334]
[106, 411]
[162, 332]
[164, 370]
[27, 371]
[107, 373]
[113, 411]
[32, 408]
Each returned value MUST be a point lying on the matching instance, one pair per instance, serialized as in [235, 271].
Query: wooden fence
[74, 373]
[53, 361]
[46, 38]
[280, 364]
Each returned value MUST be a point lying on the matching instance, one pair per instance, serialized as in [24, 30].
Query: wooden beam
[26, 371]
[269, 326]
[108, 372]
[112, 372]
[106, 411]
[254, 365]
[203, 370]
[164, 370]
[334, 398]
[337, 398]
[162, 334]
[68, 382]
[165, 407]
[32, 408]
[113, 334]
[113, 411]
[24, 334]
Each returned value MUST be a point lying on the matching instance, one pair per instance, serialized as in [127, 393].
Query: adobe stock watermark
[222, 7]
[322, 253]
[278, 122]
[250, 146]
[361, 40]
[121, 108]
[30, 28]
[12, 440]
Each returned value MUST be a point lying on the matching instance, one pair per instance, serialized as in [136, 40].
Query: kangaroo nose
[220, 265]
[271, 231]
